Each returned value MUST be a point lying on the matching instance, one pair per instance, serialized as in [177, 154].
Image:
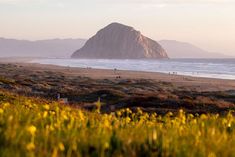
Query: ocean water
[209, 68]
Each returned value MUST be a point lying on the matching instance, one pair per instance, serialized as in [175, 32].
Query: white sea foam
[210, 68]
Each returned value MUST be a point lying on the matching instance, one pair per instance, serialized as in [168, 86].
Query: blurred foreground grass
[35, 127]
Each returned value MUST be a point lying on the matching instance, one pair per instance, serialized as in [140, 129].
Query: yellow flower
[139, 111]
[61, 146]
[30, 146]
[81, 115]
[65, 117]
[169, 114]
[46, 107]
[119, 113]
[127, 119]
[5, 105]
[45, 113]
[10, 118]
[106, 123]
[52, 112]
[128, 110]
[194, 121]
[106, 145]
[154, 135]
[211, 154]
[191, 116]
[203, 117]
[1, 111]
[51, 128]
[55, 152]
[32, 129]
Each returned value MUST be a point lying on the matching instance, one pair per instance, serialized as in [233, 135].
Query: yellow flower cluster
[32, 128]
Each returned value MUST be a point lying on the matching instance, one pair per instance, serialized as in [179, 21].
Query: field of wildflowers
[34, 127]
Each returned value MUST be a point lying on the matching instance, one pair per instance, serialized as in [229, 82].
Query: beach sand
[197, 83]
[153, 92]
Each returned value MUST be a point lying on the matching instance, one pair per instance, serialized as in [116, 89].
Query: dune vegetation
[36, 127]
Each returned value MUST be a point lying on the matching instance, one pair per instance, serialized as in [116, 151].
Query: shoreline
[213, 84]
[28, 60]
[82, 63]
[199, 83]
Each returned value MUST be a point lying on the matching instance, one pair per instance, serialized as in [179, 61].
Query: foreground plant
[36, 128]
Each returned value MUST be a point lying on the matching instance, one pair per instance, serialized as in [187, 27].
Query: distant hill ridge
[118, 41]
[39, 48]
[65, 47]
[176, 49]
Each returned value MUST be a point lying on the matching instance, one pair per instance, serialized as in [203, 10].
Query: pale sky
[209, 24]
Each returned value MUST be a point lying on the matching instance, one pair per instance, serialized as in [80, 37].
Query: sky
[209, 24]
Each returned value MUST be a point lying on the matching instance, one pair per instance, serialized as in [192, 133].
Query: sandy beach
[194, 83]
[118, 89]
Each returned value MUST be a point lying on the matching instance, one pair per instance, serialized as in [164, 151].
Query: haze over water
[209, 68]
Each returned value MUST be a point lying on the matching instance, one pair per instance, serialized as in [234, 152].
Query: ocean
[209, 68]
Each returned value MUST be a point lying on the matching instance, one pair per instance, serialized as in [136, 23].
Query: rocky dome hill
[118, 41]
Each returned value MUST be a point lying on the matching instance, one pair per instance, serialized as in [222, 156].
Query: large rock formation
[117, 41]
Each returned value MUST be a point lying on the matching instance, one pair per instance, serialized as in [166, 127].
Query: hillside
[176, 49]
[39, 48]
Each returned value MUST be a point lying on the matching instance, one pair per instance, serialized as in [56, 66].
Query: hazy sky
[209, 24]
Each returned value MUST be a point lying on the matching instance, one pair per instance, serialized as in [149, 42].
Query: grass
[6, 81]
[35, 127]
